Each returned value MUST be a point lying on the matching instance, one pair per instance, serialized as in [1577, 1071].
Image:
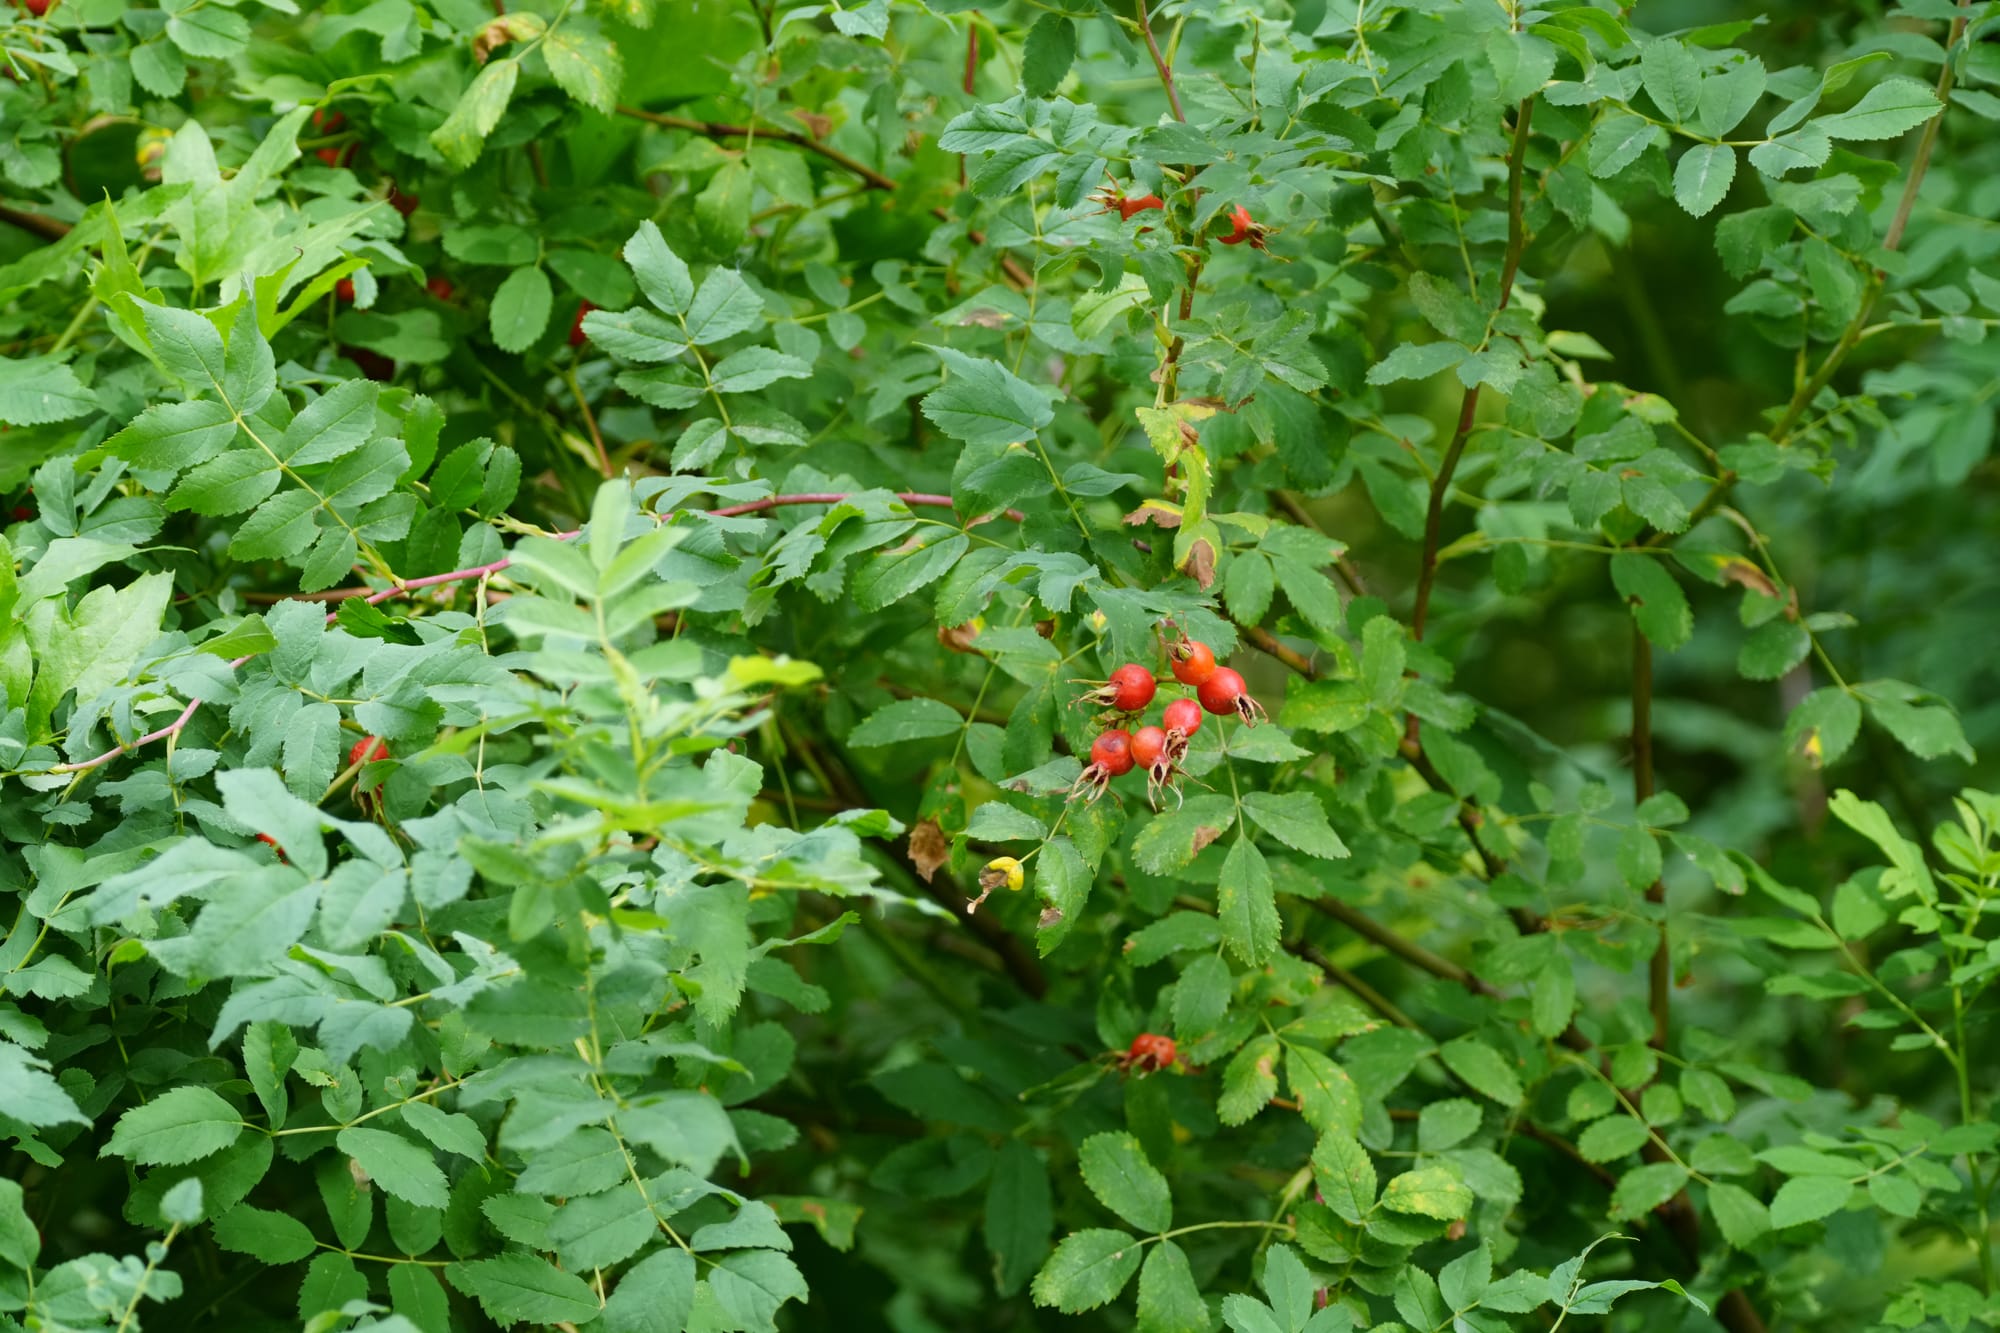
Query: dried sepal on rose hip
[1130, 688]
[1182, 719]
[1193, 661]
[1244, 228]
[1149, 1053]
[1002, 872]
[1115, 200]
[1110, 757]
[1153, 751]
[1224, 693]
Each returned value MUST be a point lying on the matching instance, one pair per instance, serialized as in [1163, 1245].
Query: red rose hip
[1193, 662]
[1224, 693]
[1130, 689]
[1182, 717]
[1110, 757]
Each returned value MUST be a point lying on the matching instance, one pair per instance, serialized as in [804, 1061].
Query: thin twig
[835, 497]
[718, 130]
[53, 229]
[1659, 985]
[1367, 994]
[590, 422]
[1160, 63]
[1469, 407]
[1299, 514]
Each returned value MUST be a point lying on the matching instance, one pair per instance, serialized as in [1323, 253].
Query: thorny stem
[717, 130]
[1160, 62]
[1659, 987]
[1517, 238]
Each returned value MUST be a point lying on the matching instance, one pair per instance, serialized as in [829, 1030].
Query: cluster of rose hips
[1149, 1053]
[1159, 749]
[1242, 227]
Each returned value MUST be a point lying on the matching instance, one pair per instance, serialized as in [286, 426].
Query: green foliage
[551, 556]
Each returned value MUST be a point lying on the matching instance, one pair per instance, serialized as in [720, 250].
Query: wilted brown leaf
[929, 848]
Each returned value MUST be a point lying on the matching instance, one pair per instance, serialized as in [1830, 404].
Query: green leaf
[41, 391]
[894, 575]
[1890, 108]
[1446, 1124]
[906, 720]
[1115, 1168]
[1246, 900]
[756, 368]
[997, 821]
[209, 33]
[1644, 1188]
[1345, 1174]
[1728, 95]
[31, 1094]
[1019, 1213]
[1739, 1215]
[585, 65]
[1484, 1070]
[1297, 820]
[463, 135]
[655, 1295]
[282, 526]
[1201, 996]
[1702, 177]
[229, 484]
[1656, 599]
[521, 309]
[1250, 1081]
[1446, 308]
[1047, 54]
[514, 1288]
[1805, 1199]
[1169, 1299]
[1429, 1191]
[186, 344]
[172, 437]
[1326, 1093]
[1773, 648]
[723, 306]
[267, 1236]
[1895, 1195]
[332, 426]
[20, 1242]
[1618, 141]
[181, 1204]
[1087, 1270]
[1928, 730]
[1414, 361]
[1384, 657]
[183, 1124]
[1672, 79]
[398, 1166]
[661, 274]
[598, 1230]
[452, 1132]
[983, 404]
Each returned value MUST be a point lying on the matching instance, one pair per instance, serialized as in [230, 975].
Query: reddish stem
[480, 571]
